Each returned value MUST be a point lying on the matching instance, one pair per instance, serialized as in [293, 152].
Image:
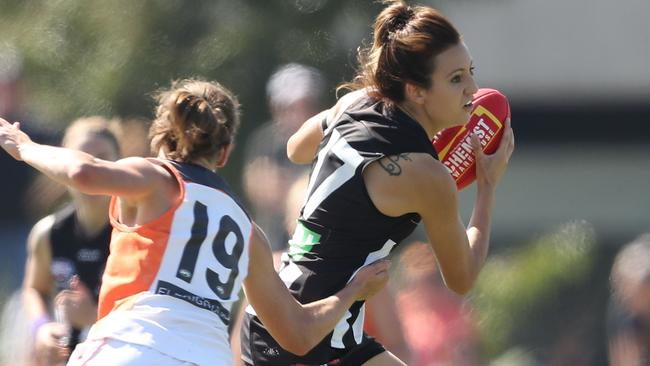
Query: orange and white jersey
[170, 284]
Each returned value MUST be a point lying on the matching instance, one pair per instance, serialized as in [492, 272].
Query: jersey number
[190, 255]
[335, 149]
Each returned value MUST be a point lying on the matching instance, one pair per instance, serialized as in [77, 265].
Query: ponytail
[194, 119]
[405, 43]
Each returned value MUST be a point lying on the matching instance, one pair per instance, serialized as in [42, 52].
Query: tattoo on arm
[392, 163]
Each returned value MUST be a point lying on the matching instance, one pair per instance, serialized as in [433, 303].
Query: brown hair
[93, 125]
[194, 119]
[406, 40]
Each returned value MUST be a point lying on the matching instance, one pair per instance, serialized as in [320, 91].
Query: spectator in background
[384, 323]
[43, 197]
[628, 318]
[436, 322]
[11, 68]
[67, 253]
[294, 94]
[11, 107]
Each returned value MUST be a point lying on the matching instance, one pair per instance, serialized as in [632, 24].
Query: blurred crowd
[415, 317]
[628, 318]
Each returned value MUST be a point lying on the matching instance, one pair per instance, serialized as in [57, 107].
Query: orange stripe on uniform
[135, 253]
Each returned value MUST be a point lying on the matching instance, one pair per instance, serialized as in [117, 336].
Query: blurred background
[576, 73]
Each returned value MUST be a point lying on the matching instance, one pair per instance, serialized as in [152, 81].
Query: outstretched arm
[129, 178]
[299, 328]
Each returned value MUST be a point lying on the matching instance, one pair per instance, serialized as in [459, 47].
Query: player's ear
[414, 93]
[224, 153]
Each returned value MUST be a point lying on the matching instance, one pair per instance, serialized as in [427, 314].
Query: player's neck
[92, 216]
[419, 116]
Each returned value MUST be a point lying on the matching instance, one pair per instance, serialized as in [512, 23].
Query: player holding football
[376, 175]
[182, 246]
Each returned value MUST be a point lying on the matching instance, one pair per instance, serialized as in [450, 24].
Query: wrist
[37, 323]
[23, 145]
[485, 187]
[352, 292]
[24, 149]
[486, 193]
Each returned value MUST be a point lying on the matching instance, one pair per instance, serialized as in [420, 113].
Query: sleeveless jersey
[76, 253]
[170, 284]
[339, 229]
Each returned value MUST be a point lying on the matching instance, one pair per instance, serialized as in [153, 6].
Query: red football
[490, 111]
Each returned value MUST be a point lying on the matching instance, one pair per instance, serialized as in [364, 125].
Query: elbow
[296, 154]
[81, 177]
[28, 293]
[292, 152]
[299, 338]
[292, 158]
[460, 286]
[461, 290]
[299, 346]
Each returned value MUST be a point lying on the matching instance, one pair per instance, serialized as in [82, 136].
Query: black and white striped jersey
[339, 229]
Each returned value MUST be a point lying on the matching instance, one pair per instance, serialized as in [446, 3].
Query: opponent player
[67, 252]
[376, 175]
[182, 246]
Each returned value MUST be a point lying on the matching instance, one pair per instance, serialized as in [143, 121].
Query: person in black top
[375, 176]
[67, 252]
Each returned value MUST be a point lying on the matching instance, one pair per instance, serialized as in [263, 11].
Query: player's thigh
[384, 359]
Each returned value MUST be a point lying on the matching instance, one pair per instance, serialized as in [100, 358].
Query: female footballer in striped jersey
[375, 176]
[182, 246]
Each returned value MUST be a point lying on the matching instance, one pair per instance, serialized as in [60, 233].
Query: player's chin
[462, 118]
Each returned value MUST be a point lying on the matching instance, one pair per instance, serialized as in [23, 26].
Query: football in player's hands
[453, 145]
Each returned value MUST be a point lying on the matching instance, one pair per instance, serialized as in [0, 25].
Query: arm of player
[459, 259]
[303, 145]
[299, 328]
[461, 252]
[418, 183]
[130, 178]
[406, 183]
[489, 170]
[37, 281]
[37, 290]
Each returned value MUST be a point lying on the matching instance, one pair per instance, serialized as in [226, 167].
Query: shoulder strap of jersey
[113, 207]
